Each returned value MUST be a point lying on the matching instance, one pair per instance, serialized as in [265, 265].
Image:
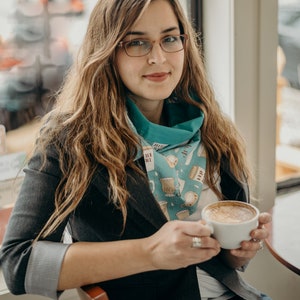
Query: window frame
[240, 56]
[196, 14]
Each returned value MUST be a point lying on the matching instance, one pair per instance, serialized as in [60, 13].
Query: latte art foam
[230, 214]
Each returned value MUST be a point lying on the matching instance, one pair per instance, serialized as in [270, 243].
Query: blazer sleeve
[29, 267]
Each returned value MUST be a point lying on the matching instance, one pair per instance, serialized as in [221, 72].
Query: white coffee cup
[231, 222]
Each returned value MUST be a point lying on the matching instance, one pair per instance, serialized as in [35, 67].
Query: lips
[157, 77]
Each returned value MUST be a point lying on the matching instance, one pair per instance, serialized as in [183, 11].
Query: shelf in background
[287, 167]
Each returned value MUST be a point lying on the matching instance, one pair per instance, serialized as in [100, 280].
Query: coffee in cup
[231, 221]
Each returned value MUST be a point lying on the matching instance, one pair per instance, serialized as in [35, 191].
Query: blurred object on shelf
[2, 139]
[11, 177]
[23, 138]
[281, 83]
[290, 117]
[36, 50]
[288, 97]
[289, 41]
[287, 165]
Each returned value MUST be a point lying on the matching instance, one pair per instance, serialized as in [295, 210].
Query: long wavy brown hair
[90, 112]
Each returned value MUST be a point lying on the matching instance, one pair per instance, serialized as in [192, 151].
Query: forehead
[156, 18]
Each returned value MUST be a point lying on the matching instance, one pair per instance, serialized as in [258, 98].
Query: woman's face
[154, 76]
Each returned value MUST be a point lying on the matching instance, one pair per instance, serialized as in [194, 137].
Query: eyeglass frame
[183, 36]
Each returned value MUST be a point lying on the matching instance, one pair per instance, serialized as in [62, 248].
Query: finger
[243, 253]
[264, 218]
[248, 249]
[195, 228]
[209, 248]
[205, 243]
[259, 234]
[252, 245]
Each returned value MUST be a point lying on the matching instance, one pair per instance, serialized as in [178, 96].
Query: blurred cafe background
[37, 40]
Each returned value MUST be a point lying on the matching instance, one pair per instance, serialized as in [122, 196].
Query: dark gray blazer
[96, 219]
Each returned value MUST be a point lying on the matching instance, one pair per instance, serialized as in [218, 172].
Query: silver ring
[261, 245]
[197, 243]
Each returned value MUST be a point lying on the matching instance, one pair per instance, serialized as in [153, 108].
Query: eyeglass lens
[139, 47]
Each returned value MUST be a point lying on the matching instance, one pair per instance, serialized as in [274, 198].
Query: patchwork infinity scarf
[174, 158]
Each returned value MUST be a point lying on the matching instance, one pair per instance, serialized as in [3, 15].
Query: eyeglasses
[142, 47]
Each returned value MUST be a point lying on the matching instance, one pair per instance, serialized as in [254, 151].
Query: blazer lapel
[141, 200]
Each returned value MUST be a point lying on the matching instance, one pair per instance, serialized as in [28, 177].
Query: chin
[160, 96]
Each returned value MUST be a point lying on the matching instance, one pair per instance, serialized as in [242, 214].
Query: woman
[136, 139]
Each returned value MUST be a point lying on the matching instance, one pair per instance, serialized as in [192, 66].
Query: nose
[156, 55]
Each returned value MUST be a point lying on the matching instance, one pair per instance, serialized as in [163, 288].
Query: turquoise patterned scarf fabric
[174, 158]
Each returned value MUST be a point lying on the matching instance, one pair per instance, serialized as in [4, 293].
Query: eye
[171, 39]
[137, 43]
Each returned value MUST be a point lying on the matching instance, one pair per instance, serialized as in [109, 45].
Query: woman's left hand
[239, 257]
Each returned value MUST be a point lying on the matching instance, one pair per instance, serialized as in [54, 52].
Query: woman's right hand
[171, 246]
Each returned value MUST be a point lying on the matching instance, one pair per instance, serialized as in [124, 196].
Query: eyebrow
[143, 33]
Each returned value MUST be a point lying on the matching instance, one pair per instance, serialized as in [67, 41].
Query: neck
[152, 110]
